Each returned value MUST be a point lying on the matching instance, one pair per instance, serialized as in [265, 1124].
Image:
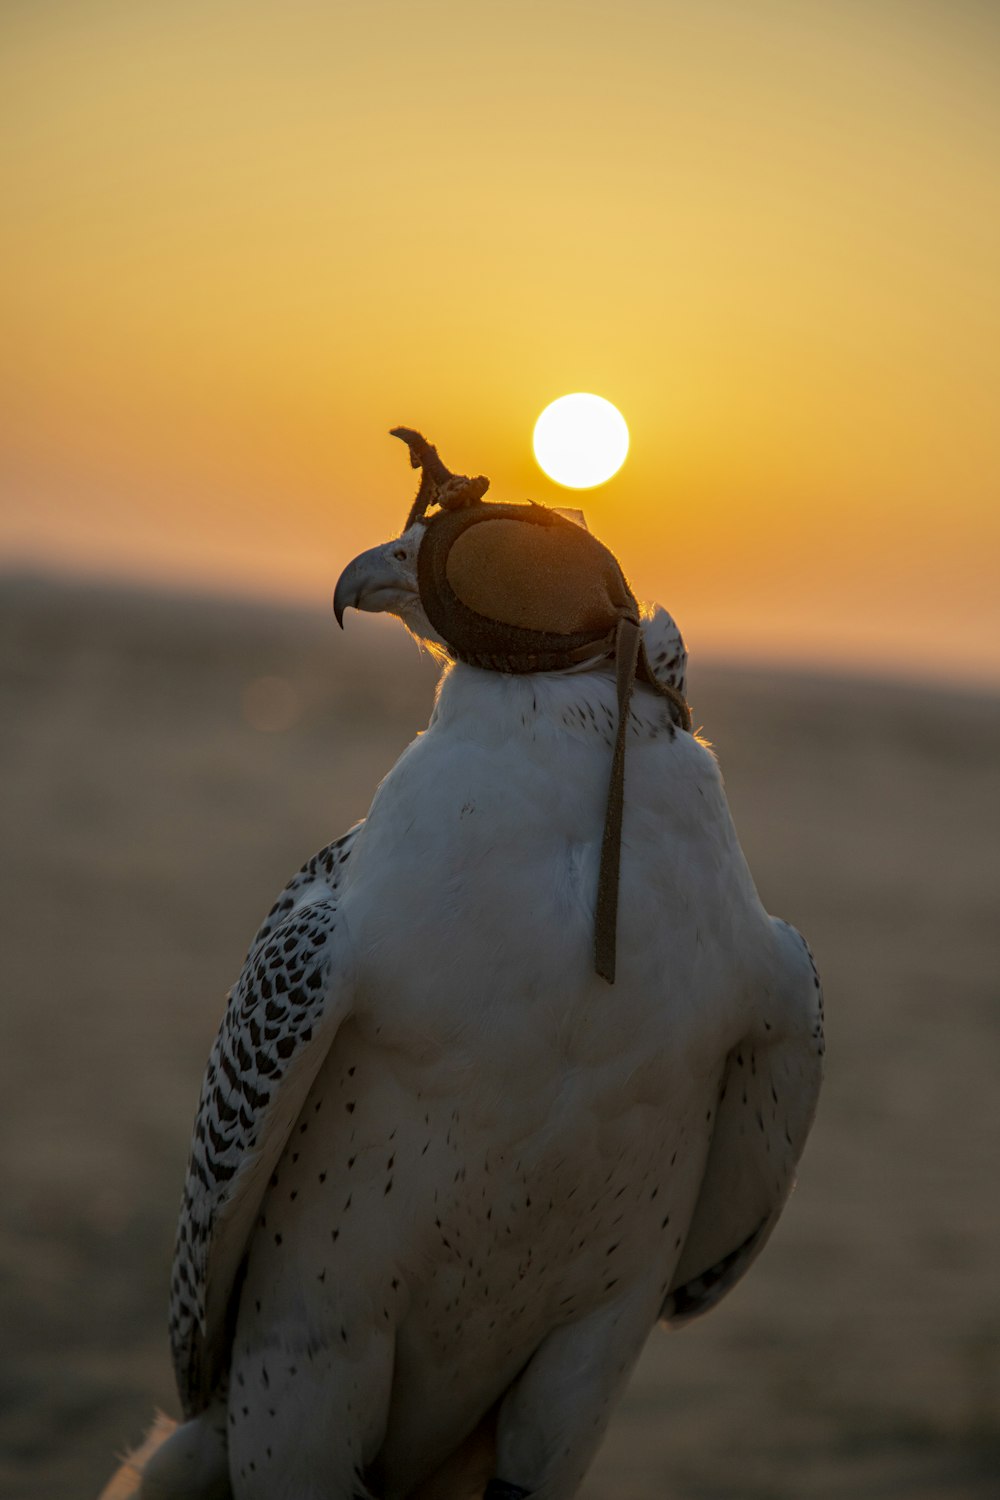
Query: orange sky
[242, 240]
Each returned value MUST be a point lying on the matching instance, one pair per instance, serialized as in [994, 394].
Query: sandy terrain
[147, 821]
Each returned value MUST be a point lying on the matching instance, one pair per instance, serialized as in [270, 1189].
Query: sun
[580, 440]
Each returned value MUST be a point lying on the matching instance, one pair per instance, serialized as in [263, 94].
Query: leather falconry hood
[521, 588]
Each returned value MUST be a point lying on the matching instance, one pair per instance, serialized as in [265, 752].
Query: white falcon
[515, 1069]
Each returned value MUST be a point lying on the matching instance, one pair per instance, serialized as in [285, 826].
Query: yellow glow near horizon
[241, 242]
[580, 440]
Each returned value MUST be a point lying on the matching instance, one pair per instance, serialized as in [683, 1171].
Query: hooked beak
[375, 582]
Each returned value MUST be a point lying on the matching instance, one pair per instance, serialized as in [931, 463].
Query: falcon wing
[281, 1018]
[766, 1106]
[318, 879]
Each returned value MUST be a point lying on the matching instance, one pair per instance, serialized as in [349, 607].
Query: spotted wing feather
[665, 648]
[280, 1020]
[766, 1105]
[319, 877]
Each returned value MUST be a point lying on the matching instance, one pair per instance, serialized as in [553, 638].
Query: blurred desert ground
[149, 817]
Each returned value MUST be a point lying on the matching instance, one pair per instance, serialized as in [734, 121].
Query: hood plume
[438, 485]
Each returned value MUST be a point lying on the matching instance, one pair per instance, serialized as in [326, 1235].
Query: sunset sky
[242, 240]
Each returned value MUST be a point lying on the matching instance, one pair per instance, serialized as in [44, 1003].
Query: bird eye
[400, 554]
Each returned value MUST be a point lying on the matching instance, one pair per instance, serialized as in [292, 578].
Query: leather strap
[627, 639]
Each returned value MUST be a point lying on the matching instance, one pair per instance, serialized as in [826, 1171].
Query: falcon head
[510, 588]
[383, 580]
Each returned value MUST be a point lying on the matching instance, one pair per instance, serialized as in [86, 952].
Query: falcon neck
[494, 706]
[542, 713]
[485, 703]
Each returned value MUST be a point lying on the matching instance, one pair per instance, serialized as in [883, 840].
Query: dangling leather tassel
[627, 638]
